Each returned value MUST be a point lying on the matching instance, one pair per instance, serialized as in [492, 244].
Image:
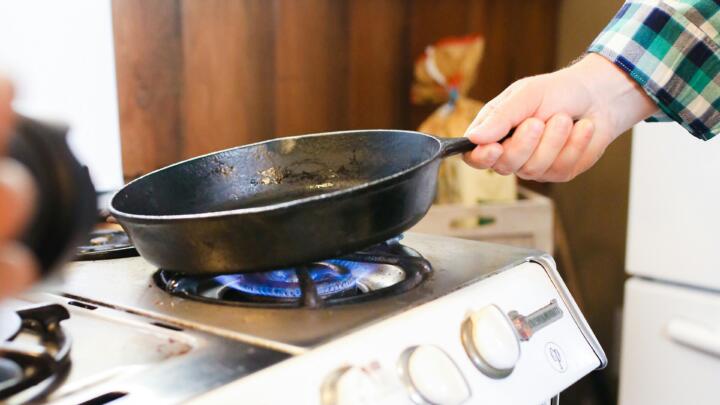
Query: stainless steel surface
[548, 264]
[385, 276]
[119, 352]
[9, 324]
[127, 283]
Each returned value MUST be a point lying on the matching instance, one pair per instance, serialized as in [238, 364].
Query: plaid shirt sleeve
[671, 48]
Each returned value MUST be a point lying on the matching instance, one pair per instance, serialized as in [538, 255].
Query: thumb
[506, 111]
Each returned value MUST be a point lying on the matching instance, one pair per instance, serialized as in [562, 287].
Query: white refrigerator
[670, 351]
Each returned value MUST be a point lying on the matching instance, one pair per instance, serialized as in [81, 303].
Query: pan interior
[273, 172]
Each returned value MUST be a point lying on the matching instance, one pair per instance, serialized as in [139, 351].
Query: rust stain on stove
[172, 348]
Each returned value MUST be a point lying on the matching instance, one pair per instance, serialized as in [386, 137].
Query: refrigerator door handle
[695, 336]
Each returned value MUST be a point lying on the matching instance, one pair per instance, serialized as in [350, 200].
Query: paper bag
[444, 73]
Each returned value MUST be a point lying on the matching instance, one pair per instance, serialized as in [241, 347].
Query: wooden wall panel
[201, 75]
[228, 75]
[535, 39]
[379, 62]
[311, 66]
[499, 26]
[149, 75]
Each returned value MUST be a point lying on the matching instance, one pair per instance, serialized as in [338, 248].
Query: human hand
[564, 121]
[18, 267]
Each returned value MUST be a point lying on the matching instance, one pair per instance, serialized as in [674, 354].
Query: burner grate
[32, 371]
[102, 244]
[330, 277]
[383, 270]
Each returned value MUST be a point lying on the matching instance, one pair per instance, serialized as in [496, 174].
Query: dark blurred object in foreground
[66, 206]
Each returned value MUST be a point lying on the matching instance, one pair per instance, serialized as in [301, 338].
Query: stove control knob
[354, 385]
[432, 377]
[491, 341]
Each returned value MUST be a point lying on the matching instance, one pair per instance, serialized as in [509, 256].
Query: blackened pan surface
[282, 202]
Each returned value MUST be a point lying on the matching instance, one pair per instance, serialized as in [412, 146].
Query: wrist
[614, 90]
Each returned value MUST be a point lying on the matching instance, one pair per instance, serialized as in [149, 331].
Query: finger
[18, 269]
[483, 156]
[487, 108]
[563, 168]
[17, 198]
[501, 116]
[600, 141]
[6, 113]
[520, 146]
[557, 131]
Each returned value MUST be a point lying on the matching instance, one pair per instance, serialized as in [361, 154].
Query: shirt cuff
[669, 51]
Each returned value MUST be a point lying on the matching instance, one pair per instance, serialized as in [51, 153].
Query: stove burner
[330, 277]
[36, 359]
[105, 244]
[385, 269]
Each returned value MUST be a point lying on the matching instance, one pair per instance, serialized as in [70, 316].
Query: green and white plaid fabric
[671, 48]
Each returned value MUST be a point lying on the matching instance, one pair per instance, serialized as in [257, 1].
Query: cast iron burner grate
[389, 268]
[35, 359]
[102, 244]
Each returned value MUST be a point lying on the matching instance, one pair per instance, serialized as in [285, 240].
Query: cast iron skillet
[283, 202]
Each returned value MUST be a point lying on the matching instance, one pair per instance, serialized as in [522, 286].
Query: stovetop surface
[114, 353]
[127, 284]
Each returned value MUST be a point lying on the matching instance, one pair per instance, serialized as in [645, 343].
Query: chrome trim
[525, 325]
[548, 263]
[467, 337]
[404, 374]
[328, 389]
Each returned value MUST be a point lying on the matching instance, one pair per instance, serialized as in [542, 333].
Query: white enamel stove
[472, 346]
[490, 324]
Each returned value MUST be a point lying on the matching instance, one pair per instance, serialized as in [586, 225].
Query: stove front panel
[420, 356]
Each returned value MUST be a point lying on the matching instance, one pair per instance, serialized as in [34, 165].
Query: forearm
[612, 88]
[670, 49]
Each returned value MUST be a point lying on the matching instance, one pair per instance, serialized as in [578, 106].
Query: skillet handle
[452, 146]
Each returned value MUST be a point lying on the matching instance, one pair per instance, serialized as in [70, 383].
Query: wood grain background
[200, 75]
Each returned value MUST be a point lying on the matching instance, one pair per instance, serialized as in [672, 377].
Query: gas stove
[422, 320]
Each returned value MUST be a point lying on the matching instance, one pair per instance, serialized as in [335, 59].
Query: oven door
[670, 345]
